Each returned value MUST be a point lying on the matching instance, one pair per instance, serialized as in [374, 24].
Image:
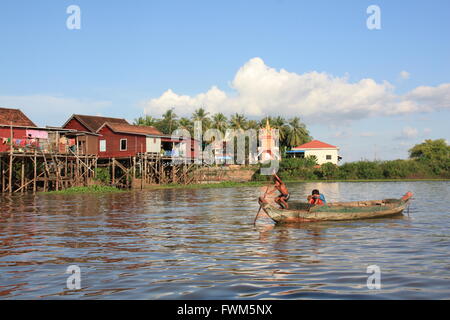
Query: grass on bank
[224, 184]
[91, 189]
[230, 184]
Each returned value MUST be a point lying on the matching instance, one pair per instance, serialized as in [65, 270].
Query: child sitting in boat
[317, 198]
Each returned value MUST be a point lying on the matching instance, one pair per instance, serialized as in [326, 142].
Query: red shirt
[316, 201]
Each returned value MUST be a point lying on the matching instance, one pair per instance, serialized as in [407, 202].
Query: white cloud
[52, 110]
[259, 90]
[431, 97]
[409, 133]
[405, 75]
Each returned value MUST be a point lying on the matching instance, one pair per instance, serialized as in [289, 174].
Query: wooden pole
[22, 175]
[34, 172]
[2, 170]
[113, 171]
[144, 164]
[11, 161]
[142, 171]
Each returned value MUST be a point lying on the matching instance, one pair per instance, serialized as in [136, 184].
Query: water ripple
[201, 244]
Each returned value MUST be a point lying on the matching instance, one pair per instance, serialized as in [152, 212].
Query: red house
[119, 139]
[90, 123]
[13, 124]
[27, 137]
[89, 143]
[125, 140]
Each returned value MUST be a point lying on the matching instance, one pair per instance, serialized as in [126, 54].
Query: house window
[328, 157]
[102, 145]
[123, 144]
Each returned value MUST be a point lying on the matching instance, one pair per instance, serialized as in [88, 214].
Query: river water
[201, 244]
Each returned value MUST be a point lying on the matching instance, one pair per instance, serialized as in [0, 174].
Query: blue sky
[128, 54]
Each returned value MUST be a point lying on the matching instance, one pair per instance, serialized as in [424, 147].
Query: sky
[374, 93]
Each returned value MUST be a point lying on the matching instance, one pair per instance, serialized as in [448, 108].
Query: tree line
[292, 132]
[427, 160]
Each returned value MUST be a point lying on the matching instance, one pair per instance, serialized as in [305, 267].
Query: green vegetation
[435, 154]
[428, 160]
[90, 189]
[102, 175]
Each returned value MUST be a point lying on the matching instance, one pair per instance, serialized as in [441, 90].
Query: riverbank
[223, 184]
[91, 189]
[230, 184]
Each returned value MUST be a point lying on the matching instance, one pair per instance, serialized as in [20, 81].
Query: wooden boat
[336, 211]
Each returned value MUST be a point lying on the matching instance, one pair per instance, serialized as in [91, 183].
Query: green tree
[329, 170]
[185, 123]
[238, 122]
[145, 121]
[430, 150]
[201, 115]
[168, 123]
[279, 123]
[297, 133]
[435, 153]
[252, 124]
[220, 122]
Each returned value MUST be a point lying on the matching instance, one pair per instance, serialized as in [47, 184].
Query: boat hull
[340, 211]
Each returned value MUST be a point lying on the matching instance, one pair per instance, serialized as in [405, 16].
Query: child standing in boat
[284, 196]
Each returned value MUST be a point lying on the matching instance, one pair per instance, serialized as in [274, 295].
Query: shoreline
[215, 185]
[229, 184]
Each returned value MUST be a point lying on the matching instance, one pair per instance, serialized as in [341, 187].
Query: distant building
[268, 146]
[324, 152]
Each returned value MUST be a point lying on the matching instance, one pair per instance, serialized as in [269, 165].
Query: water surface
[201, 244]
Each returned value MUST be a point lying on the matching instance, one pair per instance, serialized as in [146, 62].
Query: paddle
[260, 206]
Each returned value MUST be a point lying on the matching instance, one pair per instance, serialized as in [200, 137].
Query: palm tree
[145, 121]
[168, 123]
[280, 124]
[219, 122]
[201, 115]
[238, 121]
[298, 134]
[185, 123]
[253, 124]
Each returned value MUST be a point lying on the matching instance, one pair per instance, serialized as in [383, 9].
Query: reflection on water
[201, 244]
